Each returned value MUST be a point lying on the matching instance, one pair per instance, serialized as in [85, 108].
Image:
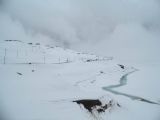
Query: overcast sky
[125, 29]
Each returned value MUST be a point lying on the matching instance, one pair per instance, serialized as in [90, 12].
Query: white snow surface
[39, 82]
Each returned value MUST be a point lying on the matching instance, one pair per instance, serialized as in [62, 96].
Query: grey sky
[106, 27]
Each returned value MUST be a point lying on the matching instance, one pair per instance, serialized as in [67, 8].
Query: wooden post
[17, 53]
[26, 52]
[67, 60]
[4, 60]
[59, 60]
[5, 54]
[44, 59]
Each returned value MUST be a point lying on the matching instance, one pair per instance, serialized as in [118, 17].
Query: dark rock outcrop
[95, 104]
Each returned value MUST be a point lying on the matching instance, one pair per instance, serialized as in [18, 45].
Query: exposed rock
[89, 104]
[95, 105]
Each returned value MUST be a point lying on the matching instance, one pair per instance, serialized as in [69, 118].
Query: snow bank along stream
[122, 82]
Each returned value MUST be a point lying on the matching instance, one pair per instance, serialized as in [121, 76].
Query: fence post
[59, 60]
[4, 60]
[44, 59]
[26, 52]
[17, 53]
[67, 60]
[5, 53]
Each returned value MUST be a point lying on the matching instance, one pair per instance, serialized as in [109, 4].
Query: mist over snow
[126, 29]
[110, 71]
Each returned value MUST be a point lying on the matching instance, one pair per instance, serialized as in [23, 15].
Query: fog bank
[126, 29]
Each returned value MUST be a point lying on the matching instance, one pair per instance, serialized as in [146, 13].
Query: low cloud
[126, 29]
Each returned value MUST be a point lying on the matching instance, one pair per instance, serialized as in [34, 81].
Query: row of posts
[44, 58]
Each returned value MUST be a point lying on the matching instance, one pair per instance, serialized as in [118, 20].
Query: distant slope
[41, 81]
[17, 51]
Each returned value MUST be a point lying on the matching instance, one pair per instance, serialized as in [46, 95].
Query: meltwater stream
[122, 82]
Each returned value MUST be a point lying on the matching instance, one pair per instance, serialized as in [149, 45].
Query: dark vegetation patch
[91, 60]
[30, 43]
[19, 73]
[13, 40]
[121, 66]
[93, 81]
[101, 72]
[38, 44]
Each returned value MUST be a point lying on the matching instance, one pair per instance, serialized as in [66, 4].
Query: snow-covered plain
[39, 82]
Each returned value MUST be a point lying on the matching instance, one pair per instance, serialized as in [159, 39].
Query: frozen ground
[143, 83]
[40, 82]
